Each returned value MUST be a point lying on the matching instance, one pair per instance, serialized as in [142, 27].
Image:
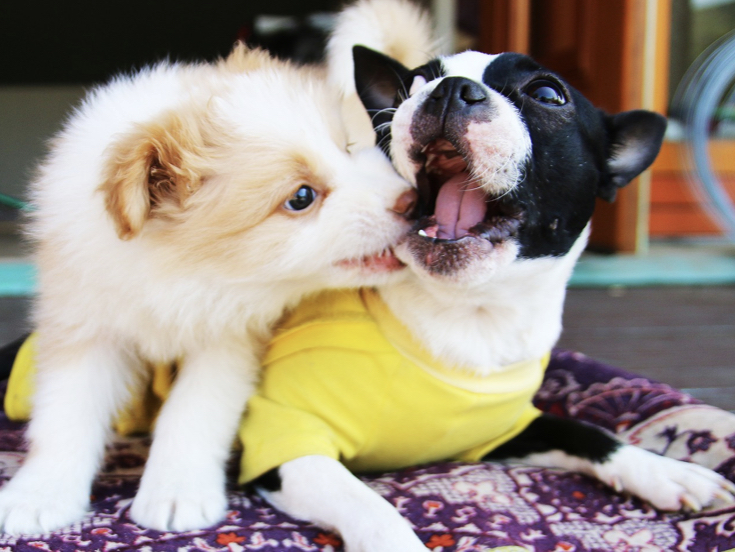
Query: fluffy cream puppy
[178, 213]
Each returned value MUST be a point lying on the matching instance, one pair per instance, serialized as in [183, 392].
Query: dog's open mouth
[452, 204]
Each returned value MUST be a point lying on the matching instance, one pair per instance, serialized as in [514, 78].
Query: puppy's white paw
[28, 509]
[668, 484]
[188, 507]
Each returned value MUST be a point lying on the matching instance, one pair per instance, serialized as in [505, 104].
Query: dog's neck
[517, 316]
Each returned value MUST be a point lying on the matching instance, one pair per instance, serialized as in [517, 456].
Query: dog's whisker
[382, 127]
[383, 140]
[388, 110]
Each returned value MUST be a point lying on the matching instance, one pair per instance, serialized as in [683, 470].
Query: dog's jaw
[466, 262]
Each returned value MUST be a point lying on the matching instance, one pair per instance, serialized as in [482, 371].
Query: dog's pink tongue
[460, 205]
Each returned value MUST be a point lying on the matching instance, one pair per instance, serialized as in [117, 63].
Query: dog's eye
[547, 92]
[301, 199]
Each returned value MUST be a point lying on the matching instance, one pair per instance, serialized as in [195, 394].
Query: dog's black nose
[456, 93]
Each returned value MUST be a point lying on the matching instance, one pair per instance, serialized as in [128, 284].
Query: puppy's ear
[149, 170]
[378, 79]
[635, 140]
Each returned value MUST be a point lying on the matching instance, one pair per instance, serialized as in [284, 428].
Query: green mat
[17, 279]
[680, 268]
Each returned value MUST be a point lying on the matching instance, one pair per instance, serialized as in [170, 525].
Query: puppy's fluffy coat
[178, 213]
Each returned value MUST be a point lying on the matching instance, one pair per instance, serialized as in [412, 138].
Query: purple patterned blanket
[458, 507]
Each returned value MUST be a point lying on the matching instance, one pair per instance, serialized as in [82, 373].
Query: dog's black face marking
[576, 153]
[567, 164]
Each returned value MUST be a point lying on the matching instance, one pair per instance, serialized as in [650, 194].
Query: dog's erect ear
[152, 168]
[378, 79]
[635, 140]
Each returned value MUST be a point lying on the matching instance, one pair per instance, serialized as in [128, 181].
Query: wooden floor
[684, 336]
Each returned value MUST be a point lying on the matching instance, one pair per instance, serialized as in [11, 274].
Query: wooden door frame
[605, 54]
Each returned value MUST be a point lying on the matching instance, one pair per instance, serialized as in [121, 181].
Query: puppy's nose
[456, 93]
[406, 202]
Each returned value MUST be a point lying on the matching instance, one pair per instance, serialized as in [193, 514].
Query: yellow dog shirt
[345, 379]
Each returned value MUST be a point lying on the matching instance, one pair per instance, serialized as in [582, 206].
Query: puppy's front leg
[666, 483]
[321, 490]
[183, 486]
[78, 389]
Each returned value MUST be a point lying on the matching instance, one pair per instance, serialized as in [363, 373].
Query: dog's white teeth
[423, 234]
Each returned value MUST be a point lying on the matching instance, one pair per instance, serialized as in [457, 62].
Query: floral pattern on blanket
[452, 506]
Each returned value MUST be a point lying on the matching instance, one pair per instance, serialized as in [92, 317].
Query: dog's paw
[668, 484]
[185, 509]
[26, 510]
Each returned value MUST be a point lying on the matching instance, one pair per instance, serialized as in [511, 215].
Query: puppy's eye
[301, 199]
[547, 92]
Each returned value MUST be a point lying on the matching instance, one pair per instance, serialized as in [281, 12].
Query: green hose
[14, 203]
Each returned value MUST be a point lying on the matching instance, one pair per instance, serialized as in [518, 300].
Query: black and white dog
[508, 160]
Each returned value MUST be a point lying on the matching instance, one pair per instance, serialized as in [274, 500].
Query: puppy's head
[508, 158]
[249, 179]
